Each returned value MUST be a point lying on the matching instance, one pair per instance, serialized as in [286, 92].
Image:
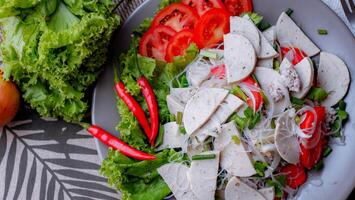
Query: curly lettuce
[54, 51]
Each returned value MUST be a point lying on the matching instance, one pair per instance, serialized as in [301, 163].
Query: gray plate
[337, 177]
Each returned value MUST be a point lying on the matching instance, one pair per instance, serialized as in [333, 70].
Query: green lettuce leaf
[138, 180]
[54, 54]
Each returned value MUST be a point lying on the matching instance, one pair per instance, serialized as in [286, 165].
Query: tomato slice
[237, 7]
[295, 175]
[203, 6]
[177, 16]
[297, 56]
[219, 71]
[310, 157]
[312, 148]
[256, 94]
[155, 42]
[211, 28]
[178, 44]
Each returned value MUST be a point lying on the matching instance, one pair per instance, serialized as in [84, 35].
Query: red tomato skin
[211, 27]
[202, 6]
[295, 175]
[155, 41]
[237, 7]
[298, 53]
[257, 95]
[309, 157]
[9, 100]
[178, 44]
[171, 16]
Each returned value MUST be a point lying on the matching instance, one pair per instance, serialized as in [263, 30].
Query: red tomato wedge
[256, 94]
[295, 175]
[312, 148]
[155, 42]
[177, 16]
[219, 71]
[211, 28]
[297, 55]
[307, 124]
[237, 7]
[203, 6]
[178, 44]
[310, 157]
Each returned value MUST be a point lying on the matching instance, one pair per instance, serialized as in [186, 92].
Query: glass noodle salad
[242, 109]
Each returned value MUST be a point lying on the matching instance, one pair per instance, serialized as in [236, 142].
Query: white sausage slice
[201, 107]
[267, 78]
[237, 190]
[305, 71]
[246, 28]
[290, 35]
[334, 77]
[240, 58]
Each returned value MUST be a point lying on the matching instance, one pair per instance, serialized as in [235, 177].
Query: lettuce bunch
[55, 49]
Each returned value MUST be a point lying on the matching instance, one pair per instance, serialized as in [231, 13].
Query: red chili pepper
[297, 53]
[150, 99]
[134, 107]
[117, 144]
[257, 94]
[295, 175]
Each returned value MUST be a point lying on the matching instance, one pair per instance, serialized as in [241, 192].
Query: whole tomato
[9, 100]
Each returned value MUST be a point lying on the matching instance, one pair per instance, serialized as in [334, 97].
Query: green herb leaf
[278, 183]
[317, 94]
[260, 168]
[297, 101]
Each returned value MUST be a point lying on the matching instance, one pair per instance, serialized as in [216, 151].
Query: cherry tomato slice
[310, 157]
[177, 16]
[155, 42]
[312, 148]
[211, 28]
[295, 175]
[298, 54]
[237, 7]
[203, 6]
[256, 94]
[219, 71]
[178, 44]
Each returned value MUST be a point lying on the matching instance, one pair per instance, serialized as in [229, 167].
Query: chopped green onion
[204, 157]
[322, 32]
[255, 120]
[179, 118]
[160, 138]
[278, 184]
[182, 130]
[277, 65]
[264, 25]
[273, 123]
[319, 165]
[264, 97]
[255, 17]
[327, 151]
[248, 112]
[209, 54]
[317, 94]
[289, 11]
[298, 119]
[239, 93]
[240, 121]
[236, 139]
